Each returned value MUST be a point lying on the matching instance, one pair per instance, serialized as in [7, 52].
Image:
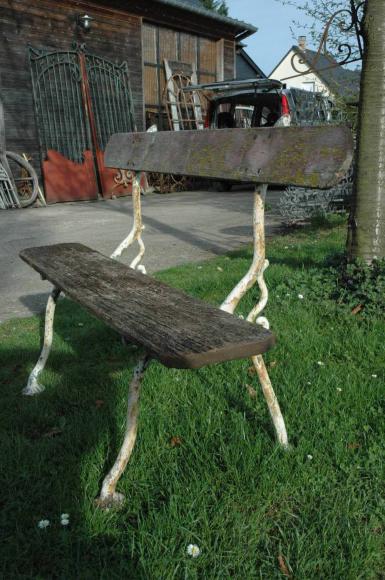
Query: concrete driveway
[180, 228]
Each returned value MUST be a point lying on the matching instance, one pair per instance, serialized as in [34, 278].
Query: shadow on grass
[238, 404]
[316, 224]
[35, 302]
[291, 261]
[311, 258]
[45, 448]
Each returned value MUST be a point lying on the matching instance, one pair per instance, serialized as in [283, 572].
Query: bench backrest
[303, 156]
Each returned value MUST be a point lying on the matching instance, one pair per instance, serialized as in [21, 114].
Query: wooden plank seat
[173, 327]
[180, 331]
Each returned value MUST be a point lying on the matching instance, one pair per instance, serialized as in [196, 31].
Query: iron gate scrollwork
[111, 97]
[62, 123]
[350, 22]
[80, 99]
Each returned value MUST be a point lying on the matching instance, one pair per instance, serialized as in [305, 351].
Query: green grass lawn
[255, 511]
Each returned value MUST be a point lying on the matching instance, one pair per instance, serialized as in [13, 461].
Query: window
[309, 86]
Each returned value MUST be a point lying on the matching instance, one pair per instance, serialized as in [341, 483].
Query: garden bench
[179, 330]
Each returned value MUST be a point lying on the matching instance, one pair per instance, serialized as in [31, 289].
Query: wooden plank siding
[47, 24]
[205, 55]
[229, 59]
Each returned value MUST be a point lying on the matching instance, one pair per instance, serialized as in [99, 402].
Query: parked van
[263, 103]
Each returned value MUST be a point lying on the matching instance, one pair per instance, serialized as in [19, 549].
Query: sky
[274, 37]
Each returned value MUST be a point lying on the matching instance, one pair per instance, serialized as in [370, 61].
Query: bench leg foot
[33, 386]
[109, 498]
[271, 401]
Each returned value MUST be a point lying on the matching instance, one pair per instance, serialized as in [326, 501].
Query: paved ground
[180, 228]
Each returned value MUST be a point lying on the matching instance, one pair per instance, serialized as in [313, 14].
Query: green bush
[360, 284]
[350, 286]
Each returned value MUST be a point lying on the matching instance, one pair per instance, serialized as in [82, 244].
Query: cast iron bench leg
[109, 497]
[136, 230]
[256, 274]
[271, 400]
[33, 387]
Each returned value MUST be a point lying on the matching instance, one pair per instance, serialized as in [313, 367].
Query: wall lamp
[84, 21]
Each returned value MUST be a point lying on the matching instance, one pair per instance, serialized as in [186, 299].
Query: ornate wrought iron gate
[80, 100]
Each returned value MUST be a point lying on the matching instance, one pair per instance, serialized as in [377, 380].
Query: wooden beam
[315, 157]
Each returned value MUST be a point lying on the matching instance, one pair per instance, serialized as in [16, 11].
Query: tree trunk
[366, 237]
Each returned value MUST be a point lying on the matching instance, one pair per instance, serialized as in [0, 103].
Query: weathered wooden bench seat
[181, 331]
[173, 327]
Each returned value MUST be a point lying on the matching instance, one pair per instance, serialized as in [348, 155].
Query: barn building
[74, 72]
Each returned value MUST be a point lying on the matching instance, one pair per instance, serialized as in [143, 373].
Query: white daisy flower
[43, 524]
[320, 363]
[193, 550]
[300, 296]
[339, 390]
[374, 376]
[65, 519]
[310, 457]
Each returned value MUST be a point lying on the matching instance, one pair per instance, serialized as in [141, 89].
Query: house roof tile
[339, 80]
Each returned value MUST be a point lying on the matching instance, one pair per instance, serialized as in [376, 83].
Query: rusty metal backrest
[303, 156]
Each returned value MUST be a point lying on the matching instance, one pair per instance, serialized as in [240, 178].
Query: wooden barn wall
[229, 59]
[47, 24]
[161, 43]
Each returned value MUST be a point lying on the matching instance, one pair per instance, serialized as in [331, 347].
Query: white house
[326, 76]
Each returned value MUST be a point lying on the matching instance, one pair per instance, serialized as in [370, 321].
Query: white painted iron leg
[256, 274]
[33, 386]
[258, 264]
[135, 264]
[109, 497]
[136, 230]
[271, 400]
